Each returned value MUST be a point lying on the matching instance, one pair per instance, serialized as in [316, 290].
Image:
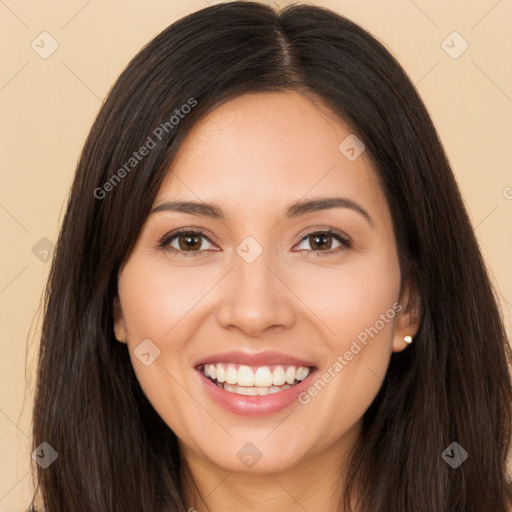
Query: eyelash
[345, 242]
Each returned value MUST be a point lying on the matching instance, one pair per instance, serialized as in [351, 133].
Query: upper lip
[253, 359]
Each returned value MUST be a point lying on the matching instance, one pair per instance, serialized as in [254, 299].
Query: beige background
[48, 106]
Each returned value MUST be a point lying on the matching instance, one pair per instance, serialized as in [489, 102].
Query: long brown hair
[451, 385]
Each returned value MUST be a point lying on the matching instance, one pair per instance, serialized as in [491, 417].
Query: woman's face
[260, 289]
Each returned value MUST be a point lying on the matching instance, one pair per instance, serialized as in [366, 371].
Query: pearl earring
[408, 339]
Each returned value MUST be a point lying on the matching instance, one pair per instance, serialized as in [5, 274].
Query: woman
[333, 344]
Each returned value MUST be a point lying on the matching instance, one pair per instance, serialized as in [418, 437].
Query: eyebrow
[297, 209]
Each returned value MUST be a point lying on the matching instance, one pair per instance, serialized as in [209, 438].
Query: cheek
[358, 304]
[350, 298]
[156, 298]
[153, 306]
[161, 303]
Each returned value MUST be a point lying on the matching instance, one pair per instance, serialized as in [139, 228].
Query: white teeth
[253, 391]
[290, 375]
[233, 388]
[278, 376]
[302, 373]
[261, 378]
[245, 376]
[231, 375]
[221, 376]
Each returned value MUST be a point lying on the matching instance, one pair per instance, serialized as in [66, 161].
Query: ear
[408, 318]
[119, 325]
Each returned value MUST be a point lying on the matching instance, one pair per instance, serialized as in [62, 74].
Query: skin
[254, 156]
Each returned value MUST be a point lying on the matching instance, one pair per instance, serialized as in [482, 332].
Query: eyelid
[325, 229]
[163, 243]
[343, 239]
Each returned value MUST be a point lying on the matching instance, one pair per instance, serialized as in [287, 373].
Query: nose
[255, 297]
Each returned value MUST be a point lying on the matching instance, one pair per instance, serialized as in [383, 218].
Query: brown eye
[321, 242]
[188, 243]
[192, 242]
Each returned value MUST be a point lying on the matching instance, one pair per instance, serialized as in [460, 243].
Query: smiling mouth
[254, 381]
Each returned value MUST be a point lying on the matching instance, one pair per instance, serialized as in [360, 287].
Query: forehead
[264, 150]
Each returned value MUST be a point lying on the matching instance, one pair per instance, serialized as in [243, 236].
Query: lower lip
[259, 405]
